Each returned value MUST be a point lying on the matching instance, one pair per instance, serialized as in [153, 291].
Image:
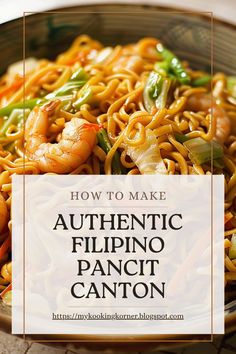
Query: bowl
[207, 43]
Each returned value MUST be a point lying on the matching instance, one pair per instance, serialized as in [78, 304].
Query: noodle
[109, 94]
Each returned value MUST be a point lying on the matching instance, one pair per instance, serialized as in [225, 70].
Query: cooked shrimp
[133, 63]
[202, 102]
[75, 146]
[3, 213]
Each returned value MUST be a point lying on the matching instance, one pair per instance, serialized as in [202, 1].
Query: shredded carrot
[17, 84]
[5, 246]
[8, 288]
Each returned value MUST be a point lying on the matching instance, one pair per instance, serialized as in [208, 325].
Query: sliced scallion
[77, 80]
[152, 90]
[201, 81]
[84, 97]
[105, 144]
[201, 151]
[174, 64]
[15, 118]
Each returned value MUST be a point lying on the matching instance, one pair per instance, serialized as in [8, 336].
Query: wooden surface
[12, 345]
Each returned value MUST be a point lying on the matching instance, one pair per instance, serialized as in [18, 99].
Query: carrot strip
[8, 288]
[17, 84]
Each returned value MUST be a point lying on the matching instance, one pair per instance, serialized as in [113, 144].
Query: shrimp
[133, 63]
[3, 212]
[203, 102]
[77, 141]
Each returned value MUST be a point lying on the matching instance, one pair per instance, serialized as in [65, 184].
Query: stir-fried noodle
[133, 109]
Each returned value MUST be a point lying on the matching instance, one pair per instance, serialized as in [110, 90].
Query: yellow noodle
[86, 114]
[84, 167]
[117, 83]
[179, 147]
[229, 265]
[230, 232]
[227, 243]
[124, 162]
[95, 165]
[170, 166]
[181, 161]
[134, 171]
[99, 153]
[111, 153]
[32, 80]
[64, 77]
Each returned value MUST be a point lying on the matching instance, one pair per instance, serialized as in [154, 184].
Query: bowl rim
[123, 4]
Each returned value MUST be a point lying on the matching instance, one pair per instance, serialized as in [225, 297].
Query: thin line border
[123, 340]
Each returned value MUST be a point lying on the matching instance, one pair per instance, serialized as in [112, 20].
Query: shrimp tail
[51, 106]
[92, 125]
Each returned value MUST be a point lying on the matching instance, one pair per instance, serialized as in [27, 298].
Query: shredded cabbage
[147, 156]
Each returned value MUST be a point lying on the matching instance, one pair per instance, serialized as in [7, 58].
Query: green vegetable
[201, 151]
[231, 85]
[201, 81]
[63, 92]
[77, 80]
[105, 144]
[154, 85]
[152, 90]
[79, 74]
[6, 111]
[162, 98]
[85, 96]
[66, 89]
[156, 91]
[103, 140]
[232, 249]
[15, 118]
[181, 138]
[174, 65]
[162, 67]
[159, 81]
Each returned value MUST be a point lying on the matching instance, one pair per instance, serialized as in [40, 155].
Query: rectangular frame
[118, 340]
